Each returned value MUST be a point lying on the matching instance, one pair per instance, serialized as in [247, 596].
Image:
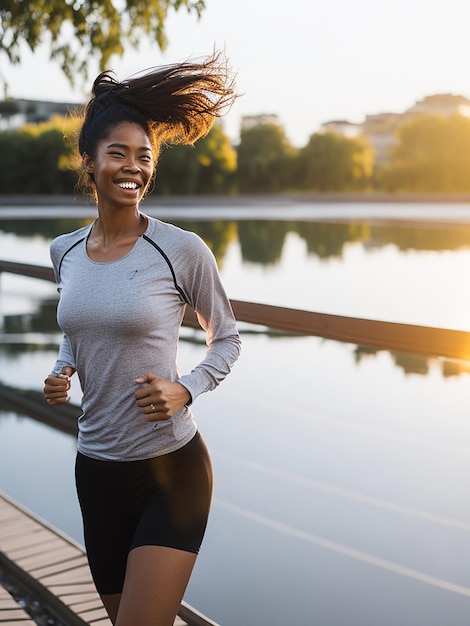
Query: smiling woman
[143, 472]
[121, 170]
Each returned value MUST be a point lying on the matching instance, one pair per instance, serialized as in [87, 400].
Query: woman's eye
[117, 154]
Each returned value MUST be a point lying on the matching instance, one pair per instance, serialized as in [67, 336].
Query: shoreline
[41, 200]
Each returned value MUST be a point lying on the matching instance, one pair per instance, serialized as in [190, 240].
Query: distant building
[15, 113]
[440, 104]
[380, 129]
[343, 127]
[249, 121]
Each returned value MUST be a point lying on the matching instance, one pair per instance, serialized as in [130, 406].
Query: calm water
[342, 475]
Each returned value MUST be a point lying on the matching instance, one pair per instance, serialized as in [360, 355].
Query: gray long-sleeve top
[121, 319]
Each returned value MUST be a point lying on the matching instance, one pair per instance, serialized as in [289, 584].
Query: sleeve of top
[206, 295]
[65, 356]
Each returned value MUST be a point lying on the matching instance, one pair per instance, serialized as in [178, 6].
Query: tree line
[431, 154]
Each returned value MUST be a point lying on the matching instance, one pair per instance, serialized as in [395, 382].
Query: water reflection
[438, 238]
[41, 320]
[415, 363]
[262, 241]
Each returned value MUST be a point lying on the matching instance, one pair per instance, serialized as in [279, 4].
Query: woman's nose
[131, 165]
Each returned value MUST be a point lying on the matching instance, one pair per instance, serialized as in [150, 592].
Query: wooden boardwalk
[44, 573]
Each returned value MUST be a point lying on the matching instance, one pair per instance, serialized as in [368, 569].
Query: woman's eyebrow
[123, 146]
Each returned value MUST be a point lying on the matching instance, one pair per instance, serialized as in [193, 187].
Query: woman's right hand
[57, 386]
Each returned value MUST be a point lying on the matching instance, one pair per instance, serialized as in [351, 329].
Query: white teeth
[128, 185]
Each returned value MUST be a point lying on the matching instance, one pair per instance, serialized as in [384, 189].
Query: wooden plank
[86, 605]
[7, 516]
[48, 558]
[59, 567]
[76, 576]
[74, 590]
[94, 615]
[80, 596]
[33, 540]
[409, 338]
[21, 527]
[23, 547]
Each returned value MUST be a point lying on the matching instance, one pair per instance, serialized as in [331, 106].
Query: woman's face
[123, 165]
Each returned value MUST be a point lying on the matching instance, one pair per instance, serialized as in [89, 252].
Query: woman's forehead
[129, 134]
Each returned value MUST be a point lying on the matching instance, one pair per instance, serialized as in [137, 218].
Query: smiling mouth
[128, 185]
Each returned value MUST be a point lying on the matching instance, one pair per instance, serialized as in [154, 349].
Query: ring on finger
[153, 407]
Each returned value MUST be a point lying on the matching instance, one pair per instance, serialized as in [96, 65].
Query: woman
[143, 473]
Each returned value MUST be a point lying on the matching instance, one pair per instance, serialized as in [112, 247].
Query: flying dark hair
[177, 103]
[174, 104]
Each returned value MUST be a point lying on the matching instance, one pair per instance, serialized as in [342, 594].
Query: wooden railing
[408, 338]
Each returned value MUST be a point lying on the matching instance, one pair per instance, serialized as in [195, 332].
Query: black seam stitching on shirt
[177, 287]
[64, 255]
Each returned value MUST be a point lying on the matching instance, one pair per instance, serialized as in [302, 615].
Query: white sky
[308, 61]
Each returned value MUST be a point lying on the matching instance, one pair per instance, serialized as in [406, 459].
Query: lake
[341, 474]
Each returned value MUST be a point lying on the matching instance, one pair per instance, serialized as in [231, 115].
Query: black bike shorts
[163, 501]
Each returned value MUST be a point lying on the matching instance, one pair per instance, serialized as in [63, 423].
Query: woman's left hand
[159, 399]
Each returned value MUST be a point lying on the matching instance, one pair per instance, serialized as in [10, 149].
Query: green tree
[328, 240]
[331, 162]
[37, 159]
[204, 168]
[82, 29]
[218, 161]
[265, 159]
[432, 154]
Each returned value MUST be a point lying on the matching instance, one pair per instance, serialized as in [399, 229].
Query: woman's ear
[87, 163]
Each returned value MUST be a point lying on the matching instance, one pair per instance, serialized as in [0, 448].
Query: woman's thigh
[162, 501]
[156, 579]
